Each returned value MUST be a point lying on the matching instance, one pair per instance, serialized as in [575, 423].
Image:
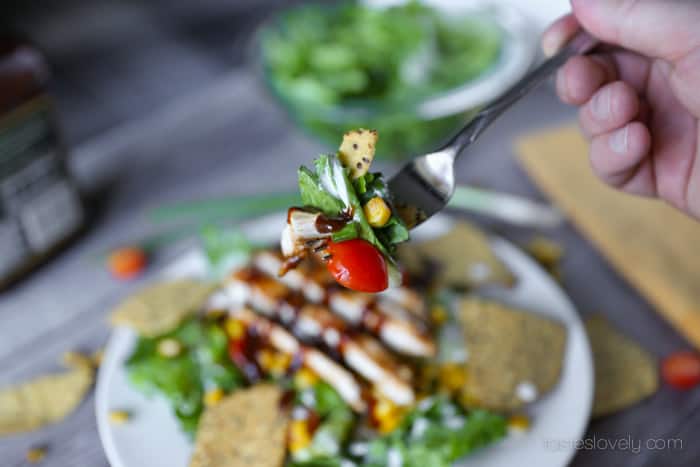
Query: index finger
[558, 34]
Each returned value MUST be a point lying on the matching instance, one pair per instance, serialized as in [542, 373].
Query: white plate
[152, 437]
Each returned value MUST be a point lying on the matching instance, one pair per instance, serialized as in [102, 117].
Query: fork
[425, 185]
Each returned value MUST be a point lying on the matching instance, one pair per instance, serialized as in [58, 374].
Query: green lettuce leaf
[203, 364]
[435, 434]
[330, 190]
[313, 194]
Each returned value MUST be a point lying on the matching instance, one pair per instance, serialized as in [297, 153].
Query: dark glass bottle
[40, 207]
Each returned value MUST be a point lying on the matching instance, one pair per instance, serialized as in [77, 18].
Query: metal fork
[425, 185]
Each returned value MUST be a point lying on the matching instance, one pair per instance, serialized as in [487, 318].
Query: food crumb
[97, 356]
[119, 417]
[36, 455]
[73, 359]
[545, 251]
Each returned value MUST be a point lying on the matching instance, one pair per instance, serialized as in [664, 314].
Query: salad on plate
[310, 368]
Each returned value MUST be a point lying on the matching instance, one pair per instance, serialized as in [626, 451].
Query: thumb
[662, 29]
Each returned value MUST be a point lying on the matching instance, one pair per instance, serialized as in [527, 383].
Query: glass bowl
[413, 127]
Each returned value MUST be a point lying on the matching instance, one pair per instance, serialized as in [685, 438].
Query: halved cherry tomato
[358, 265]
[127, 263]
[681, 369]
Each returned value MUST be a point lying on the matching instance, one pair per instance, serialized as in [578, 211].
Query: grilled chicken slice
[307, 231]
[361, 353]
[328, 370]
[386, 321]
[408, 299]
[310, 280]
[316, 323]
[398, 317]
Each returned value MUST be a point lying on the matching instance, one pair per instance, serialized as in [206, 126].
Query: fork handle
[580, 44]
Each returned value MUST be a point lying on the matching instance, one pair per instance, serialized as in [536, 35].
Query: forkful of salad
[353, 220]
[348, 220]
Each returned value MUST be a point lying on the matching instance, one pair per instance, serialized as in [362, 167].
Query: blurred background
[142, 120]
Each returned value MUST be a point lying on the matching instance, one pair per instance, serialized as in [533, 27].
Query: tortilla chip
[43, 400]
[460, 258]
[514, 356]
[161, 307]
[624, 372]
[245, 428]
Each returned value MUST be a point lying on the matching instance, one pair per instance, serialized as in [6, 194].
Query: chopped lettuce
[202, 365]
[435, 434]
[225, 248]
[337, 420]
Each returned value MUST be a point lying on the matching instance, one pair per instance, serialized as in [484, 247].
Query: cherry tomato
[358, 265]
[681, 369]
[127, 263]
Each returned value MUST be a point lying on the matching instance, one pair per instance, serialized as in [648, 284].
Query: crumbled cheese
[526, 392]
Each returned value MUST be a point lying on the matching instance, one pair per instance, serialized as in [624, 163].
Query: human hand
[639, 97]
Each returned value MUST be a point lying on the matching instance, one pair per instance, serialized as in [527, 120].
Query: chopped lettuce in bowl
[339, 67]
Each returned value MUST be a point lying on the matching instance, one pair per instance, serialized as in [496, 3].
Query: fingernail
[600, 107]
[618, 140]
[549, 45]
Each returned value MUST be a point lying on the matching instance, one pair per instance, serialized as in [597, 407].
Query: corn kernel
[299, 436]
[119, 417]
[169, 347]
[305, 378]
[389, 424]
[265, 359]
[36, 455]
[383, 408]
[438, 314]
[519, 422]
[279, 363]
[234, 329]
[213, 397]
[387, 415]
[377, 212]
[468, 401]
[452, 377]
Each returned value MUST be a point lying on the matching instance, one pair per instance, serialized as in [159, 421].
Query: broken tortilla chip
[161, 307]
[461, 258]
[43, 400]
[625, 373]
[245, 428]
[514, 356]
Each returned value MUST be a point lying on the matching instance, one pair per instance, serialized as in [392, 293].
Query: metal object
[512, 209]
[425, 185]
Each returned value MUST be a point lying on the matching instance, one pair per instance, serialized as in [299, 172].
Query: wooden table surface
[228, 138]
